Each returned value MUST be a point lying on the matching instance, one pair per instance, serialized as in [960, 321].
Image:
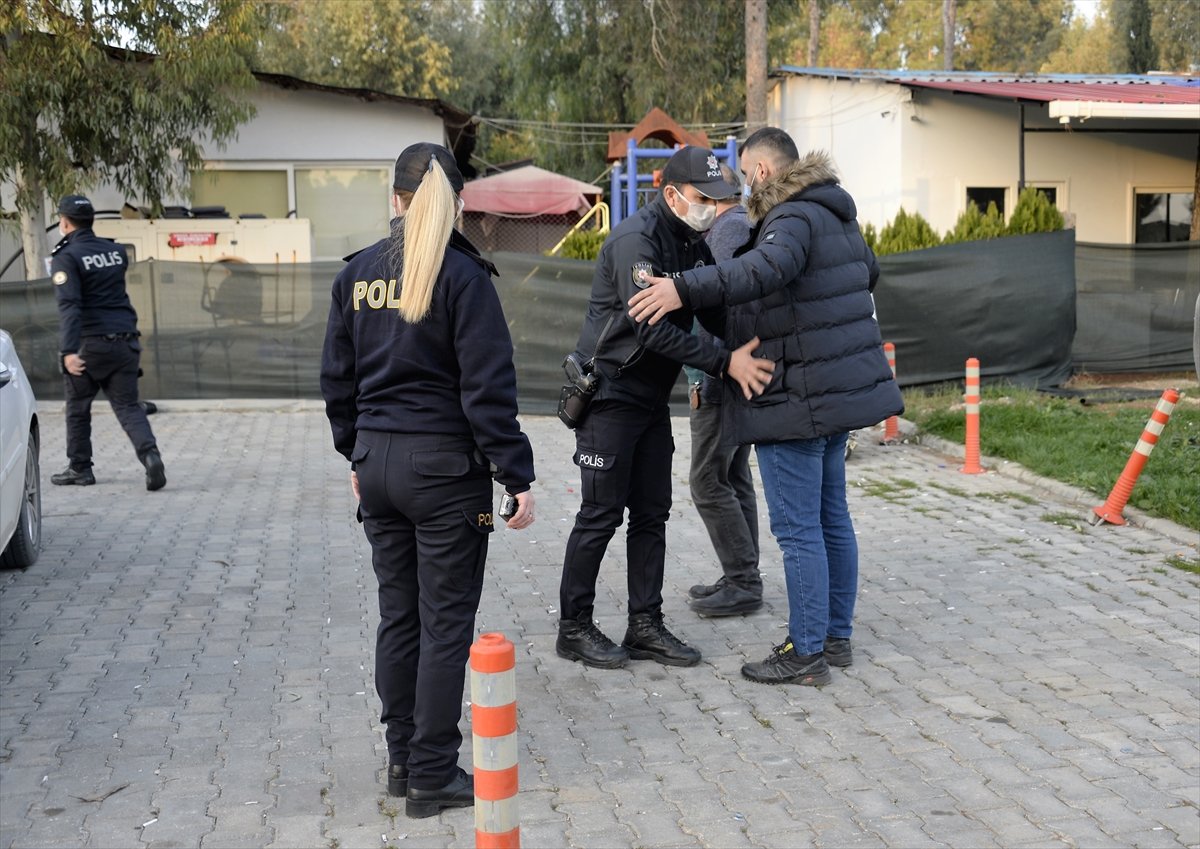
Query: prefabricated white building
[1117, 154]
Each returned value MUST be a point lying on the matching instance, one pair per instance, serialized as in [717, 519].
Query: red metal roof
[1045, 92]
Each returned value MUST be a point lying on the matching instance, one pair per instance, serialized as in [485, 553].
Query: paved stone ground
[193, 668]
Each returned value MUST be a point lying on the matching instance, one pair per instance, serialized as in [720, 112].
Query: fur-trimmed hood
[814, 169]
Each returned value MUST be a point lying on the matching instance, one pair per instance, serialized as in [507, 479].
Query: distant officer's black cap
[76, 206]
[413, 163]
[699, 167]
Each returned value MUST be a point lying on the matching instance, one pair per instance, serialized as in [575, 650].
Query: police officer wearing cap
[421, 394]
[624, 444]
[98, 343]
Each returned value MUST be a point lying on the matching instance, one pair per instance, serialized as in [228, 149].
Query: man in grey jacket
[804, 288]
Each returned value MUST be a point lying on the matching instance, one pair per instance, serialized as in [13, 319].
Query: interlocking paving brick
[1015, 683]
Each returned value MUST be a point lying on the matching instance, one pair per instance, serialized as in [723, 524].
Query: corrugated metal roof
[1113, 88]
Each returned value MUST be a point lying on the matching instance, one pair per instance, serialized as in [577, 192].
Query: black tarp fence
[243, 331]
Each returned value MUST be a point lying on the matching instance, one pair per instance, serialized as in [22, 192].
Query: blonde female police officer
[420, 390]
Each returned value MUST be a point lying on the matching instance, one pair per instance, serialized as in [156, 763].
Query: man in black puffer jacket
[803, 286]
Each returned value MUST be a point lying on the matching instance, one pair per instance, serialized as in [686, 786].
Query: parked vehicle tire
[22, 550]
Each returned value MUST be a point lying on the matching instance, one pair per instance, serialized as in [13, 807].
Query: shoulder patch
[640, 271]
[769, 237]
[59, 278]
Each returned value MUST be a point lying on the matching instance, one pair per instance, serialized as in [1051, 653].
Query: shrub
[1034, 213]
[583, 244]
[870, 236]
[906, 233]
[974, 225]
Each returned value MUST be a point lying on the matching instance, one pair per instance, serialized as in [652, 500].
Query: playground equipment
[628, 184]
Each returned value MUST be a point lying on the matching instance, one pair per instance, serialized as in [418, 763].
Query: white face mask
[699, 216]
[747, 187]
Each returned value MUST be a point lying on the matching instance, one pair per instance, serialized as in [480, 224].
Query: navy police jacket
[89, 284]
[451, 373]
[804, 289]
[638, 363]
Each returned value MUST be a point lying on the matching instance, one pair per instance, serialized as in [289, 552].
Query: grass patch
[894, 490]
[1086, 447]
[1066, 520]
[1184, 564]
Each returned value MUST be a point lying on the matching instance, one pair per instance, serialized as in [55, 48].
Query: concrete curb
[1007, 468]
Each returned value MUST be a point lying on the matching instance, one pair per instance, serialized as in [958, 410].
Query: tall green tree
[1175, 27]
[1086, 48]
[1136, 52]
[76, 112]
[385, 45]
[997, 38]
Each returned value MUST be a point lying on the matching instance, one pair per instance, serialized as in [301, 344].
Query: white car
[20, 478]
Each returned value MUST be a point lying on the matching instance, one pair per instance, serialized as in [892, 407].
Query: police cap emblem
[59, 278]
[642, 270]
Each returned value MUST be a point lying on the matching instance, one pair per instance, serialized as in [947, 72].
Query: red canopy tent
[529, 191]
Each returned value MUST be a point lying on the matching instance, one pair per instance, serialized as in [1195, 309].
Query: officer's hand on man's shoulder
[655, 301]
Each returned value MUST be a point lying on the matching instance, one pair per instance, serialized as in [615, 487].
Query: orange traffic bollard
[971, 401]
[1110, 510]
[494, 736]
[891, 427]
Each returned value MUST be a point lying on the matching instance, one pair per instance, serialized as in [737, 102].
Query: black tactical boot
[580, 639]
[837, 652]
[647, 638]
[71, 476]
[459, 793]
[730, 600]
[397, 780]
[156, 474]
[784, 666]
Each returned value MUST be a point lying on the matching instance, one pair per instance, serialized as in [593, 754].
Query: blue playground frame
[627, 182]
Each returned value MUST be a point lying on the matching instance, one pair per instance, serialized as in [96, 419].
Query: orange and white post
[891, 427]
[1110, 510]
[494, 736]
[971, 403]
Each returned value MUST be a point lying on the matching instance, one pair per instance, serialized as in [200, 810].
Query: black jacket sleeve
[488, 381]
[338, 383]
[68, 291]
[664, 338]
[779, 255]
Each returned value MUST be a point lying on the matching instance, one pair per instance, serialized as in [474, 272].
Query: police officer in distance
[420, 390]
[98, 343]
[624, 444]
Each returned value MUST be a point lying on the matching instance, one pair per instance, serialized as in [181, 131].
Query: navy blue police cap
[699, 167]
[413, 163]
[76, 206]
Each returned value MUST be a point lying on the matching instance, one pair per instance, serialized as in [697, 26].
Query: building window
[242, 192]
[1162, 216]
[348, 207]
[1050, 192]
[982, 196]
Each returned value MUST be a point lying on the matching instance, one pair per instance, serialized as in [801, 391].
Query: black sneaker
[156, 474]
[647, 638]
[580, 639]
[730, 600]
[784, 666]
[705, 590]
[73, 477]
[397, 780]
[837, 652]
[459, 793]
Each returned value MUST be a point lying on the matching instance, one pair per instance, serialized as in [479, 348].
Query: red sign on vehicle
[179, 240]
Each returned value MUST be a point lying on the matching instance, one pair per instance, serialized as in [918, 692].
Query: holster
[573, 405]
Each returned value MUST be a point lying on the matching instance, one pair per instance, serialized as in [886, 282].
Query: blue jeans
[804, 482]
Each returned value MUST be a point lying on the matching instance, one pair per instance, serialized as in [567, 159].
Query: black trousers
[112, 365]
[427, 512]
[624, 458]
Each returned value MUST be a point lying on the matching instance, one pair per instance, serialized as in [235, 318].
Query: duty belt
[112, 337]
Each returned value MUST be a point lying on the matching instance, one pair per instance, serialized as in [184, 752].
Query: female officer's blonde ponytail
[428, 222]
